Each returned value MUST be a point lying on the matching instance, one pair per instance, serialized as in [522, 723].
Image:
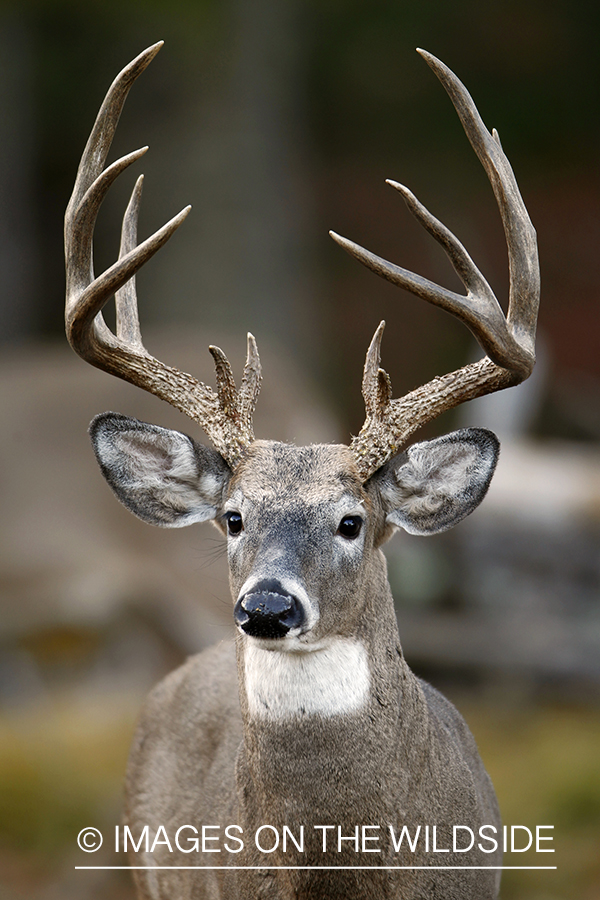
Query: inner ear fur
[434, 484]
[164, 477]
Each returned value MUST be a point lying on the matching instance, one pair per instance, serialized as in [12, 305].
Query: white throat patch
[329, 681]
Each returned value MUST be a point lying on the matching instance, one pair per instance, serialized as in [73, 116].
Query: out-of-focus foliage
[544, 765]
[535, 67]
[61, 767]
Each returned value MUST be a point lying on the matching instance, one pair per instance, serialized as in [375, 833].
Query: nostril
[268, 614]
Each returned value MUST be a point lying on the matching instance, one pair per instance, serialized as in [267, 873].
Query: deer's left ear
[434, 484]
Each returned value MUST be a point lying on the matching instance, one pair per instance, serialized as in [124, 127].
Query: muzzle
[267, 611]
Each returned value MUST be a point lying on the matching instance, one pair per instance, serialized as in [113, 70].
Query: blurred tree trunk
[268, 177]
[18, 241]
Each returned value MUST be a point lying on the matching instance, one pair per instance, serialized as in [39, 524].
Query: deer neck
[309, 717]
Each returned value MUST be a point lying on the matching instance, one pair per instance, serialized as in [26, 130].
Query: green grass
[545, 765]
[62, 766]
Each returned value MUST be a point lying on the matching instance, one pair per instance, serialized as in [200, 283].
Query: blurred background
[277, 120]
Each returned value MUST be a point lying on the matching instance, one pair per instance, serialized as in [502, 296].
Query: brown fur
[200, 756]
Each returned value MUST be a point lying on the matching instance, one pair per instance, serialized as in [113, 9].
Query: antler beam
[225, 416]
[509, 342]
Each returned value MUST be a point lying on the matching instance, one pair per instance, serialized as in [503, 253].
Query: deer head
[304, 524]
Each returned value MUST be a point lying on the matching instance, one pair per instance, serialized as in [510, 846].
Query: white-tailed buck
[306, 760]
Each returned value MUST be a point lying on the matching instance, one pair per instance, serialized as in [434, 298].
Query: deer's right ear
[162, 476]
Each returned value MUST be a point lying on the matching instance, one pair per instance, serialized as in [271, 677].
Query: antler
[509, 342]
[226, 416]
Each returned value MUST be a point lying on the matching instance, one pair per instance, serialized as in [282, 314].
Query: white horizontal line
[365, 868]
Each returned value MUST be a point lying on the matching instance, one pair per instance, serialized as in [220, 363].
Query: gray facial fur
[326, 724]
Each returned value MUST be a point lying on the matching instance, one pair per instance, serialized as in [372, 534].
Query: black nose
[267, 614]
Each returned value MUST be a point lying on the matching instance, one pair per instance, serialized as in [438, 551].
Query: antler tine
[101, 137]
[508, 341]
[123, 354]
[376, 384]
[127, 317]
[251, 381]
[521, 238]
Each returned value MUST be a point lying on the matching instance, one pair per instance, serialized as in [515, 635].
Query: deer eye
[350, 526]
[234, 523]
